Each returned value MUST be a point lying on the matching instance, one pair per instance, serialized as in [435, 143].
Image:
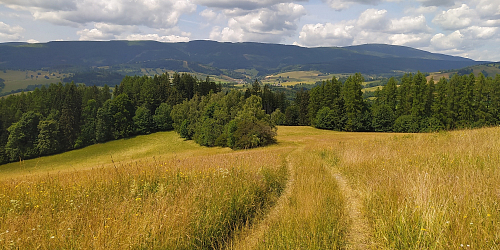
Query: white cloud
[372, 26]
[345, 4]
[476, 32]
[373, 19]
[32, 41]
[264, 25]
[94, 34]
[10, 33]
[421, 10]
[41, 4]
[453, 19]
[412, 40]
[448, 42]
[104, 31]
[427, 3]
[489, 9]
[156, 37]
[410, 24]
[243, 4]
[328, 34]
[150, 13]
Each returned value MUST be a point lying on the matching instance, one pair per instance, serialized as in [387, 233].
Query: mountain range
[213, 57]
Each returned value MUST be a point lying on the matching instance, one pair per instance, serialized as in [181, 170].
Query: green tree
[254, 127]
[292, 115]
[466, 105]
[23, 134]
[88, 127]
[383, 118]
[143, 121]
[278, 118]
[104, 123]
[48, 136]
[355, 106]
[123, 112]
[439, 106]
[162, 119]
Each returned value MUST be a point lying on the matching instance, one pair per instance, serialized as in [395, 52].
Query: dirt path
[359, 235]
[256, 233]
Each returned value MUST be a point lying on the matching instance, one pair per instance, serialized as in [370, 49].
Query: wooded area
[61, 117]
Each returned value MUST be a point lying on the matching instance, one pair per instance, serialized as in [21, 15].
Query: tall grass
[429, 191]
[193, 203]
[313, 217]
[419, 191]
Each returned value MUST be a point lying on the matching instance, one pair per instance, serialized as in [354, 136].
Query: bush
[407, 124]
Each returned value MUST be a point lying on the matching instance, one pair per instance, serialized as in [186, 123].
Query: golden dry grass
[413, 191]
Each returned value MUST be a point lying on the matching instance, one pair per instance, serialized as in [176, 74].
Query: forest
[64, 117]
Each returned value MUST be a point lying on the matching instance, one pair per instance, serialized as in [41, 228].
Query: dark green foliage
[254, 128]
[278, 118]
[407, 124]
[143, 121]
[104, 123]
[88, 124]
[383, 118]
[417, 105]
[22, 139]
[64, 117]
[48, 137]
[123, 112]
[355, 107]
[162, 119]
[224, 120]
[292, 115]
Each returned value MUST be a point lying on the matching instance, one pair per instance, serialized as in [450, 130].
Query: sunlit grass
[192, 203]
[419, 191]
[162, 145]
[429, 191]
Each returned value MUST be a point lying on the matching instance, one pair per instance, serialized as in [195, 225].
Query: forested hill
[266, 58]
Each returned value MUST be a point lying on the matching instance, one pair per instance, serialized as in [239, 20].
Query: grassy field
[314, 189]
[296, 77]
[15, 79]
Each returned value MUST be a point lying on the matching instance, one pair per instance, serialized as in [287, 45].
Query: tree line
[63, 117]
[410, 105]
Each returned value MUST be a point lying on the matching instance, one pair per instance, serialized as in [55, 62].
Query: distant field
[491, 70]
[296, 77]
[314, 189]
[15, 79]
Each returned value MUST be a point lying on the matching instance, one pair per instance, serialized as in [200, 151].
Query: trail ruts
[359, 234]
[256, 233]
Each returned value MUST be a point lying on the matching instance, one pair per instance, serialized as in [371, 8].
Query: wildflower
[488, 215]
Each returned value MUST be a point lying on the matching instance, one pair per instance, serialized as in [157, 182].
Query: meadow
[314, 189]
[16, 79]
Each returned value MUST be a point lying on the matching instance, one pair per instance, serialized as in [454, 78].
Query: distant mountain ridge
[212, 55]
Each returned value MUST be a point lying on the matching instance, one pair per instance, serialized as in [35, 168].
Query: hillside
[314, 189]
[487, 69]
[211, 57]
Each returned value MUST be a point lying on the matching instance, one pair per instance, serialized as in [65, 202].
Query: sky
[466, 28]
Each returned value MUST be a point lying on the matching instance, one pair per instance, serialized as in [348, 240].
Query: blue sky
[467, 28]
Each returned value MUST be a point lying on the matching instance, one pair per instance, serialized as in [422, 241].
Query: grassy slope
[420, 191]
[15, 79]
[296, 77]
[159, 145]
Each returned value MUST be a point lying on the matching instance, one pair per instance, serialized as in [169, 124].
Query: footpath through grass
[417, 191]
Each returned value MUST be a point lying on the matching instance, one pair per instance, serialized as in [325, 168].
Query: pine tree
[355, 106]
